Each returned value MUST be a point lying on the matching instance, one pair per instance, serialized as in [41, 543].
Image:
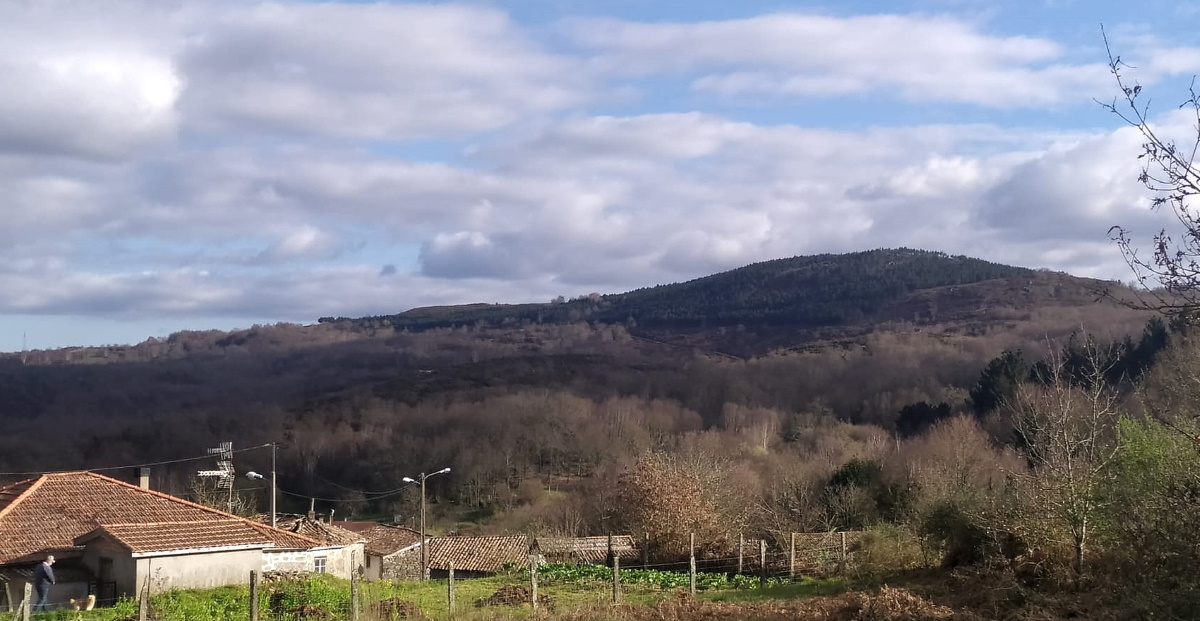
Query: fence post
[762, 563]
[144, 602]
[792, 558]
[253, 596]
[533, 571]
[27, 603]
[842, 558]
[616, 571]
[741, 550]
[692, 561]
[646, 551]
[450, 589]
[354, 609]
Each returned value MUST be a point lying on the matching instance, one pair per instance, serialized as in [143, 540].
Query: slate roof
[49, 512]
[482, 554]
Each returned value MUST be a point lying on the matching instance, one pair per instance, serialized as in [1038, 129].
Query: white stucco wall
[371, 569]
[198, 571]
[124, 569]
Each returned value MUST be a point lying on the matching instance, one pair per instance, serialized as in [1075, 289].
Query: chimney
[144, 478]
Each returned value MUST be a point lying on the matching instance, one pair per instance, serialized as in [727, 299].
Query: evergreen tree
[999, 381]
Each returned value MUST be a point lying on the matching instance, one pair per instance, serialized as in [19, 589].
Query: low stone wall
[288, 561]
[339, 562]
[402, 565]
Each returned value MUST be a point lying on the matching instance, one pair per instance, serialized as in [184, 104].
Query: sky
[169, 165]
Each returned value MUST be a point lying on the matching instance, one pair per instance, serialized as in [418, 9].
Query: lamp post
[424, 546]
[255, 475]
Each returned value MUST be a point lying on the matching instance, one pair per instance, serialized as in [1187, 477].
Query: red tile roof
[329, 534]
[357, 527]
[174, 536]
[483, 554]
[586, 549]
[383, 540]
[50, 511]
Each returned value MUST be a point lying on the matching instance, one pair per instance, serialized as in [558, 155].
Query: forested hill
[806, 292]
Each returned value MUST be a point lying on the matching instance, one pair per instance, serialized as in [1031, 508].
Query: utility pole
[424, 541]
[274, 485]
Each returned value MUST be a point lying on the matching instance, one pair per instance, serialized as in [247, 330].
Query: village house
[386, 550]
[475, 557]
[340, 551]
[115, 539]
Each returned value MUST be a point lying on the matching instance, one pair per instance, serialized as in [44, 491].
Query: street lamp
[424, 546]
[254, 475]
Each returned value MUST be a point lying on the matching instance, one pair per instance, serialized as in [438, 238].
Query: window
[319, 565]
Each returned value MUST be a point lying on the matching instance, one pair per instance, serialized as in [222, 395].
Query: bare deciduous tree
[1170, 276]
[210, 494]
[1065, 425]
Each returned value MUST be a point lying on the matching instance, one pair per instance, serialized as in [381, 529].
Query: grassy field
[328, 598]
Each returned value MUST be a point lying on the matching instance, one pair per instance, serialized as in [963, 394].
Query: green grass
[122, 609]
[333, 595]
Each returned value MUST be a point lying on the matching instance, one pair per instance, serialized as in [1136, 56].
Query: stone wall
[339, 562]
[288, 561]
[402, 565]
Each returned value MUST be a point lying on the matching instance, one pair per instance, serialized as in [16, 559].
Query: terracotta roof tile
[357, 527]
[173, 536]
[383, 540]
[327, 534]
[50, 511]
[10, 492]
[586, 549]
[483, 554]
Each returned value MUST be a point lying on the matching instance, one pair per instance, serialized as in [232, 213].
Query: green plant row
[565, 573]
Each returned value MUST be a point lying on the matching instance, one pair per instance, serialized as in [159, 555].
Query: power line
[361, 491]
[373, 498]
[145, 465]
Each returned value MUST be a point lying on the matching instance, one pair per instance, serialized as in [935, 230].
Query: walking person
[43, 578]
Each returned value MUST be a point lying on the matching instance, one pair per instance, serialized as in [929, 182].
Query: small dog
[86, 603]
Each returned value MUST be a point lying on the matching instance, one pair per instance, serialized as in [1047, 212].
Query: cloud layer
[294, 160]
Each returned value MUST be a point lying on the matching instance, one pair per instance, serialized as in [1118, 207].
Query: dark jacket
[43, 575]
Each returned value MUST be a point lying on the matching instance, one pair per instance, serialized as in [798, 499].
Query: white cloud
[1074, 191]
[86, 98]
[107, 81]
[376, 71]
[251, 160]
[922, 58]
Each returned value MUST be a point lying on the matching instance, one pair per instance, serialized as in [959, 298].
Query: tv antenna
[224, 472]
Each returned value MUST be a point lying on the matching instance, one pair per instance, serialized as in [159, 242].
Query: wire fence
[753, 563]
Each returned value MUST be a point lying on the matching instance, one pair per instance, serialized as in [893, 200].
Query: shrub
[887, 548]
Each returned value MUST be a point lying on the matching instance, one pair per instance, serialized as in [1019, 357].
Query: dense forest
[925, 411]
[357, 404]
[808, 291]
